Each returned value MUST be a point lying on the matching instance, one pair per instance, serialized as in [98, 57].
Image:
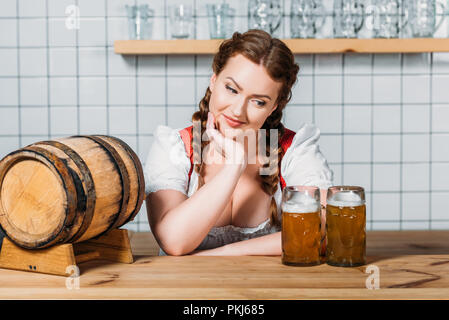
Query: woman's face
[244, 92]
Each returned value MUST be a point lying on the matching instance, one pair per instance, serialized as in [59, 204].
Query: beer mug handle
[321, 13]
[362, 19]
[443, 7]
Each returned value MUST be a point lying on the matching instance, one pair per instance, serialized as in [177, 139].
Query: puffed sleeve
[303, 163]
[167, 165]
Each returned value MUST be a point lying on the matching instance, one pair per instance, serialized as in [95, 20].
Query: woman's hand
[232, 151]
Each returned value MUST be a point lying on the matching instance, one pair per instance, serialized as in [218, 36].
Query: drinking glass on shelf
[349, 16]
[140, 26]
[265, 15]
[422, 16]
[346, 226]
[181, 21]
[387, 18]
[307, 18]
[301, 226]
[221, 20]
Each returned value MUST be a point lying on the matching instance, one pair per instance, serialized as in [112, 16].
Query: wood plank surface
[412, 265]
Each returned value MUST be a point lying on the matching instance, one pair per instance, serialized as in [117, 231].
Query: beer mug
[181, 21]
[349, 16]
[387, 22]
[346, 226]
[140, 26]
[307, 17]
[422, 17]
[221, 20]
[301, 226]
[264, 14]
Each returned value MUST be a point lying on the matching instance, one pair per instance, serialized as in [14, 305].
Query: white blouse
[168, 165]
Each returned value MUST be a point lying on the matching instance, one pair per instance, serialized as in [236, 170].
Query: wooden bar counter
[412, 265]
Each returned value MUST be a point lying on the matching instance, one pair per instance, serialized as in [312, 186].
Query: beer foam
[346, 199]
[300, 203]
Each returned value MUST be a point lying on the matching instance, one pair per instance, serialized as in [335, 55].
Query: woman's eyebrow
[255, 95]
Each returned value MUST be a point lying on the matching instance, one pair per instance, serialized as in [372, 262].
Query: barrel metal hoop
[69, 187]
[90, 186]
[123, 172]
[140, 176]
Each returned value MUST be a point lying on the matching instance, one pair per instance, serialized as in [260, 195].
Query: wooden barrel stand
[61, 259]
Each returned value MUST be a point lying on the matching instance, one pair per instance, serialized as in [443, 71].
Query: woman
[222, 204]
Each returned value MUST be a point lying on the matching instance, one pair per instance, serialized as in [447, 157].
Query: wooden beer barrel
[69, 190]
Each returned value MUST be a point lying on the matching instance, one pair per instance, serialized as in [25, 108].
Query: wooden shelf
[144, 47]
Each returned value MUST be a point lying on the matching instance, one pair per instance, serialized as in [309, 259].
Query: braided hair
[259, 47]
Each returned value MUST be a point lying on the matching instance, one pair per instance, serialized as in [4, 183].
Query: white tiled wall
[384, 118]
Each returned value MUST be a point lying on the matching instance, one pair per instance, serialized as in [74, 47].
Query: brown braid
[259, 47]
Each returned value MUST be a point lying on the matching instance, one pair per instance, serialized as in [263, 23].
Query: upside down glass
[346, 226]
[301, 226]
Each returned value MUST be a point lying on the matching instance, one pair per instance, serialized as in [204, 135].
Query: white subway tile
[57, 8]
[151, 65]
[8, 61]
[8, 91]
[33, 91]
[26, 141]
[416, 63]
[387, 89]
[33, 32]
[385, 225]
[440, 93]
[151, 90]
[415, 147]
[122, 120]
[336, 170]
[357, 175]
[180, 117]
[415, 206]
[415, 225]
[415, 177]
[357, 119]
[440, 150]
[416, 89]
[122, 91]
[204, 65]
[328, 63]
[386, 119]
[117, 7]
[328, 89]
[117, 29]
[145, 143]
[158, 6]
[9, 120]
[32, 8]
[440, 115]
[440, 62]
[92, 91]
[386, 206]
[63, 62]
[92, 8]
[330, 146]
[92, 61]
[439, 225]
[150, 118]
[356, 63]
[305, 62]
[8, 8]
[302, 91]
[439, 205]
[33, 62]
[329, 118]
[386, 148]
[202, 83]
[63, 91]
[7, 145]
[93, 120]
[34, 121]
[64, 121]
[387, 63]
[8, 32]
[59, 34]
[180, 65]
[181, 90]
[130, 140]
[92, 32]
[296, 116]
[386, 177]
[416, 118]
[158, 29]
[440, 172]
[357, 148]
[357, 89]
[203, 28]
[121, 65]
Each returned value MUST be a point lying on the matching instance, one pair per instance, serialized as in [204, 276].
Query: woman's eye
[260, 103]
[230, 89]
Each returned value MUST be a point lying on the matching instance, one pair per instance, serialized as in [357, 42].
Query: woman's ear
[272, 109]
[213, 78]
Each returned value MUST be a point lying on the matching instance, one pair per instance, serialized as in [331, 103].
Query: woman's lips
[231, 122]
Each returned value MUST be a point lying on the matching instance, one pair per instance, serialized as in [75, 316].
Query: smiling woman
[207, 191]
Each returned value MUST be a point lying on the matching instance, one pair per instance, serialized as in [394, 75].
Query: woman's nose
[238, 108]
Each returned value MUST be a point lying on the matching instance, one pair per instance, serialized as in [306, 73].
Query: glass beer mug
[265, 15]
[307, 17]
[349, 16]
[346, 226]
[301, 226]
[422, 16]
[387, 18]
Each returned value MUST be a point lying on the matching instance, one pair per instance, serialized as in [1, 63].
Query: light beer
[301, 229]
[346, 227]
